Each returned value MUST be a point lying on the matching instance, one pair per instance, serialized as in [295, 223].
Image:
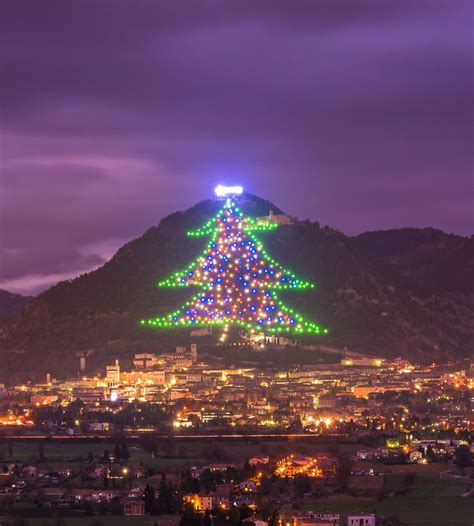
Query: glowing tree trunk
[237, 281]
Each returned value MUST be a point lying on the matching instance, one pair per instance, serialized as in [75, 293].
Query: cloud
[356, 114]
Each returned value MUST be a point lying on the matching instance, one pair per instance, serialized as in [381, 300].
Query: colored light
[237, 279]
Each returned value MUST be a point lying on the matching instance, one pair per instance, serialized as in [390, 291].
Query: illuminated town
[340, 426]
[298, 433]
[236, 263]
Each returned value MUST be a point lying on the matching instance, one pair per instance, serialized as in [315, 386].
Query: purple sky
[116, 113]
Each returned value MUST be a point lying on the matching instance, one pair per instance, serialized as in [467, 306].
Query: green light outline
[302, 326]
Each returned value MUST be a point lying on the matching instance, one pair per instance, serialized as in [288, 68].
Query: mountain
[406, 292]
[10, 305]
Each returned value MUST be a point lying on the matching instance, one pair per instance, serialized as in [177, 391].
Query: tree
[219, 516]
[296, 425]
[117, 453]
[265, 485]
[401, 457]
[343, 473]
[165, 500]
[209, 479]
[463, 457]
[430, 454]
[190, 517]
[237, 281]
[245, 512]
[301, 484]
[248, 470]
[41, 457]
[274, 519]
[207, 520]
[266, 508]
[149, 498]
[189, 484]
[124, 452]
[115, 506]
[233, 516]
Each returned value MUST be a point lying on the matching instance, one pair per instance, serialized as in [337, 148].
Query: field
[67, 455]
[177, 455]
[430, 503]
[110, 520]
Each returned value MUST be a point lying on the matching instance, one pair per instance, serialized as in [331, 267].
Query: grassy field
[184, 455]
[118, 520]
[416, 511]
[431, 502]
[24, 451]
[60, 455]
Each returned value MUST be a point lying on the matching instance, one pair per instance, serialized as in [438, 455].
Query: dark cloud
[113, 114]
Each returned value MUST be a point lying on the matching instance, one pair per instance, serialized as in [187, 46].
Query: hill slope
[403, 292]
[10, 305]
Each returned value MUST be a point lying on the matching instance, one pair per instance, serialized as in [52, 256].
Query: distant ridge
[10, 305]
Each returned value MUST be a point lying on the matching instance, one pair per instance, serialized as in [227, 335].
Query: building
[329, 517]
[248, 486]
[113, 373]
[82, 363]
[201, 501]
[224, 490]
[316, 519]
[361, 520]
[327, 401]
[363, 391]
[133, 507]
[263, 459]
[194, 352]
[144, 361]
[43, 399]
[362, 362]
[88, 395]
[280, 219]
[152, 377]
[181, 358]
[256, 522]
[296, 465]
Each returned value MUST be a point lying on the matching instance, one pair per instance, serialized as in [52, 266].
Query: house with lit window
[201, 501]
[133, 507]
[361, 520]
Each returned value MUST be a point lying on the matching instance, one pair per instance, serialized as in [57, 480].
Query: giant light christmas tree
[237, 280]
